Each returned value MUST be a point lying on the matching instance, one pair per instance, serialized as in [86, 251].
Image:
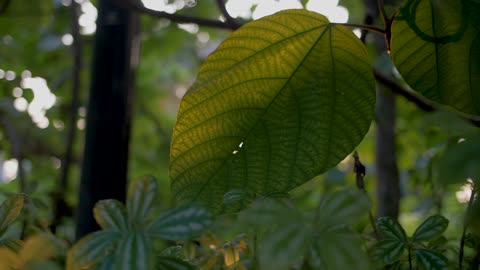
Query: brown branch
[134, 5]
[230, 20]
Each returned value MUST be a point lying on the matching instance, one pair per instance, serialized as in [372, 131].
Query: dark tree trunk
[104, 171]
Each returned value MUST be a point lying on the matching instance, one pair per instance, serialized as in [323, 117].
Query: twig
[360, 172]
[465, 225]
[230, 20]
[365, 27]
[61, 208]
[133, 6]
[383, 14]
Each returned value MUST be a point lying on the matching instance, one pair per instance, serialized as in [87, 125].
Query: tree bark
[104, 170]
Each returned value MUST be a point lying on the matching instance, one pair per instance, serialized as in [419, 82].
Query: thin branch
[383, 14]
[230, 20]
[465, 225]
[137, 7]
[421, 102]
[360, 172]
[366, 27]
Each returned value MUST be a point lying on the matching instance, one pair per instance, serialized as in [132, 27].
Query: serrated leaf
[141, 195]
[435, 47]
[284, 246]
[338, 248]
[92, 249]
[342, 207]
[172, 263]
[181, 223]
[391, 230]
[431, 260]
[431, 228]
[135, 251]
[111, 214]
[388, 251]
[10, 209]
[281, 100]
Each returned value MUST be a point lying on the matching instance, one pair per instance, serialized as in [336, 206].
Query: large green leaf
[435, 46]
[337, 249]
[135, 251]
[92, 249]
[141, 195]
[111, 214]
[181, 223]
[430, 260]
[172, 263]
[10, 209]
[281, 100]
[430, 229]
[342, 207]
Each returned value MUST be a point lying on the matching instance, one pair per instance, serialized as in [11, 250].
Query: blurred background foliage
[36, 67]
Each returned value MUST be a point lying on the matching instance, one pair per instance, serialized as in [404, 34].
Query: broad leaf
[270, 212]
[111, 214]
[281, 100]
[181, 223]
[135, 251]
[172, 263]
[388, 251]
[92, 249]
[430, 260]
[10, 209]
[338, 248]
[430, 229]
[435, 46]
[390, 230]
[284, 246]
[342, 207]
[460, 161]
[141, 195]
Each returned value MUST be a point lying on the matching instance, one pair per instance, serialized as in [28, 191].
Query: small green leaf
[388, 251]
[431, 260]
[266, 212]
[391, 230]
[172, 263]
[281, 100]
[10, 209]
[181, 223]
[135, 251]
[342, 207]
[472, 241]
[111, 214]
[92, 249]
[285, 245]
[431, 228]
[141, 195]
[338, 248]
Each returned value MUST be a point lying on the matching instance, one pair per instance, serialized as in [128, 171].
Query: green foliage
[281, 100]
[127, 235]
[463, 156]
[394, 243]
[435, 47]
[10, 209]
[291, 236]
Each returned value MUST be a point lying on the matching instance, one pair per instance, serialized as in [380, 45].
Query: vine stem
[410, 258]
[465, 225]
[383, 14]
[360, 171]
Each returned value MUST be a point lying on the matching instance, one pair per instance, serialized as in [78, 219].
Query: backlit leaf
[435, 46]
[281, 100]
[10, 209]
[431, 228]
[181, 223]
[111, 214]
